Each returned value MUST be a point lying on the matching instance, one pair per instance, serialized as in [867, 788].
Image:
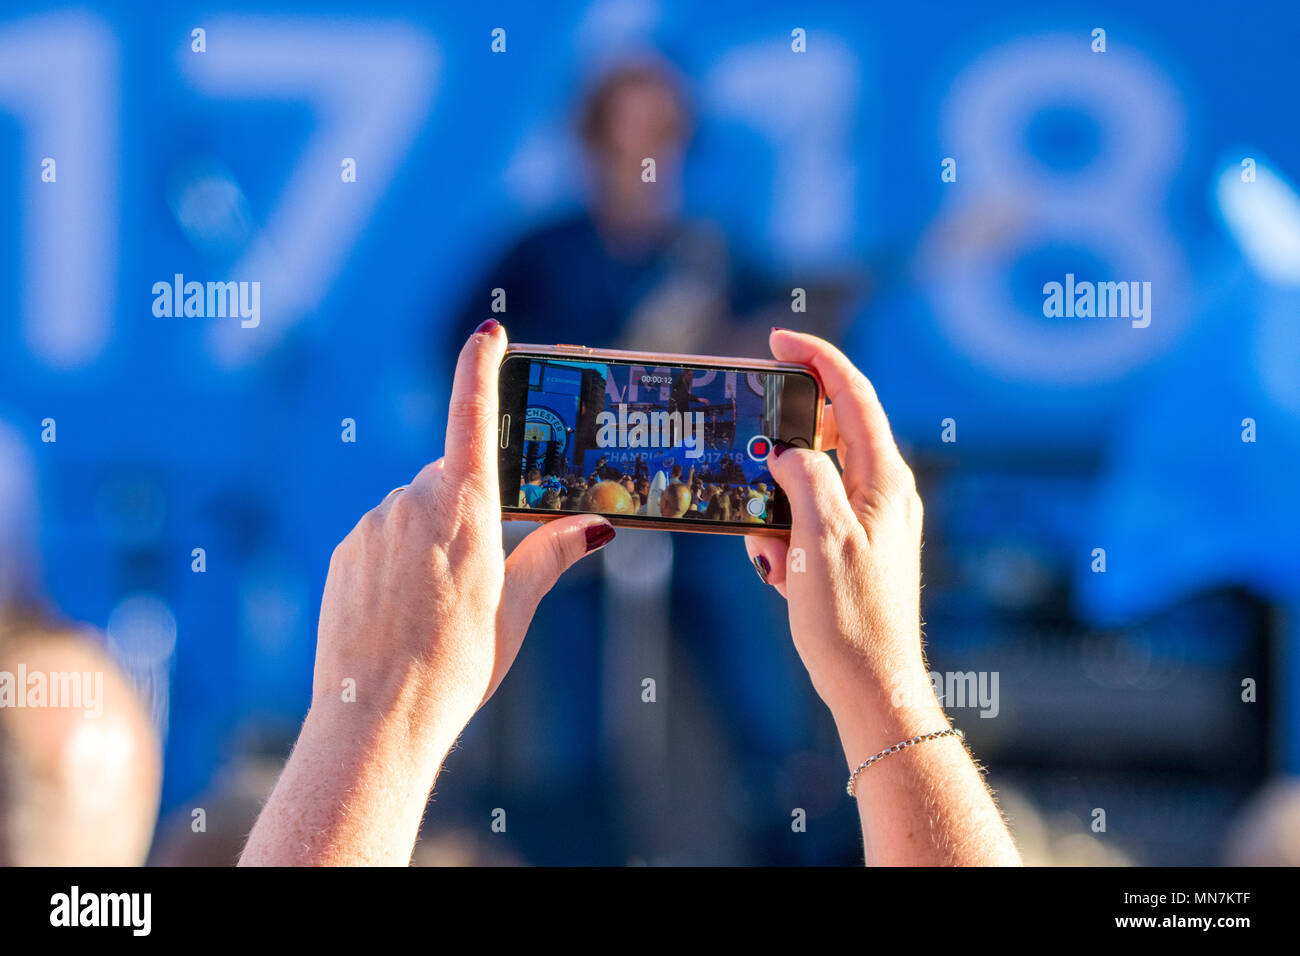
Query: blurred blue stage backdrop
[819, 169]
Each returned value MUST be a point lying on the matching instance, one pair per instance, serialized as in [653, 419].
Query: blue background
[181, 433]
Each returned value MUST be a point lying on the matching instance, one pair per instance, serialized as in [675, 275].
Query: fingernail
[488, 325]
[779, 447]
[777, 328]
[763, 567]
[599, 535]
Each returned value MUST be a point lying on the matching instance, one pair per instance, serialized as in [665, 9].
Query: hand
[421, 609]
[854, 587]
[851, 574]
[423, 615]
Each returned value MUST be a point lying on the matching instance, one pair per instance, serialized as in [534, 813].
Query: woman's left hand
[422, 616]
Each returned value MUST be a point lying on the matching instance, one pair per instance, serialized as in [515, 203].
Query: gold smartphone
[650, 440]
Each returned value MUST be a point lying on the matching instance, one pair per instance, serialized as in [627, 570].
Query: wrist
[882, 707]
[418, 735]
[892, 676]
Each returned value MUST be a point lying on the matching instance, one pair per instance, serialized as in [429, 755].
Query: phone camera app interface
[622, 439]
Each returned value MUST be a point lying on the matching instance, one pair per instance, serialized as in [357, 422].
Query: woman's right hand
[851, 567]
[851, 573]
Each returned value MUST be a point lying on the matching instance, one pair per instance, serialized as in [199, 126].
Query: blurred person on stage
[630, 270]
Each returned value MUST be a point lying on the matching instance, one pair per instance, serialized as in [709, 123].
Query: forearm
[352, 793]
[926, 805]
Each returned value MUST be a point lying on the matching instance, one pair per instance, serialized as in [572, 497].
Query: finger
[768, 555]
[534, 566]
[863, 436]
[548, 551]
[812, 485]
[472, 416]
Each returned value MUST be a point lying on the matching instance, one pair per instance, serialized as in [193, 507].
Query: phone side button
[505, 430]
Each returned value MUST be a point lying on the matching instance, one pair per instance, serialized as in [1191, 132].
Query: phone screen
[672, 444]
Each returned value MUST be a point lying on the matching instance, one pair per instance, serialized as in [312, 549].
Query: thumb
[813, 486]
[536, 564]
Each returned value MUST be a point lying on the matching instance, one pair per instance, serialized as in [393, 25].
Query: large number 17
[368, 84]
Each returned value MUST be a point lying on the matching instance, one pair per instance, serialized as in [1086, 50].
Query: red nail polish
[599, 535]
[779, 447]
[778, 328]
[489, 325]
[763, 567]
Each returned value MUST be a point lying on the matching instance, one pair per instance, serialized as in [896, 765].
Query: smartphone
[671, 442]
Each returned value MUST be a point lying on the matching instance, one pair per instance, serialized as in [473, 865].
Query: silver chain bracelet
[901, 745]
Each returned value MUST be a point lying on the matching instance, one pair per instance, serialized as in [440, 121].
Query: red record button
[758, 448]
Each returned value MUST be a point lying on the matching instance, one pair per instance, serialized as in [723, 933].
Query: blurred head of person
[636, 111]
[608, 497]
[80, 762]
[675, 500]
[720, 508]
[550, 500]
[532, 477]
